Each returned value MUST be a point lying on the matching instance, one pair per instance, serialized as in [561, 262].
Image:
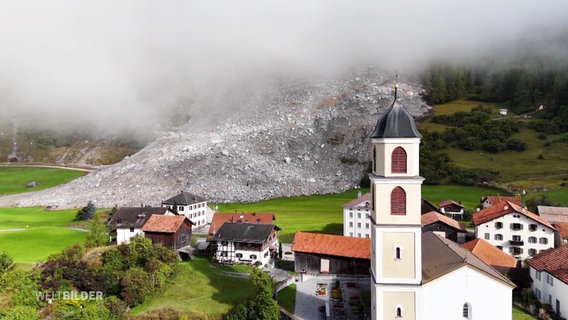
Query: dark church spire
[395, 122]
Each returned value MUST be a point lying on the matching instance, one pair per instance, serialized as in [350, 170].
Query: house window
[498, 225]
[239, 255]
[398, 201]
[367, 215]
[397, 253]
[131, 229]
[358, 235]
[543, 241]
[366, 226]
[223, 243]
[550, 280]
[180, 208]
[351, 224]
[358, 224]
[350, 234]
[537, 275]
[358, 215]
[500, 248]
[486, 236]
[498, 236]
[350, 214]
[517, 238]
[532, 252]
[533, 227]
[515, 250]
[466, 311]
[537, 293]
[253, 256]
[532, 239]
[516, 226]
[398, 312]
[398, 160]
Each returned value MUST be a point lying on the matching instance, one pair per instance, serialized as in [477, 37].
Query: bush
[516, 145]
[86, 213]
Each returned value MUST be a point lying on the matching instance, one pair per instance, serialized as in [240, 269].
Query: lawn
[287, 298]
[13, 179]
[198, 288]
[519, 314]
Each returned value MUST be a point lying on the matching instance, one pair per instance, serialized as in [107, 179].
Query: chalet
[172, 232]
[246, 243]
[127, 222]
[444, 226]
[488, 201]
[191, 206]
[550, 278]
[452, 208]
[514, 229]
[256, 218]
[356, 213]
[316, 253]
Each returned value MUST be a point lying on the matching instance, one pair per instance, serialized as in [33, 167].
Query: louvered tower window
[398, 201]
[398, 160]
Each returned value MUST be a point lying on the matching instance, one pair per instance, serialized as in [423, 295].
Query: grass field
[197, 287]
[519, 314]
[14, 179]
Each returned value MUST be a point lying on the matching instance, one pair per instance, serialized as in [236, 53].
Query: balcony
[516, 242]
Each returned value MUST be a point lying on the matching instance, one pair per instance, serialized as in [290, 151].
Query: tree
[6, 264]
[98, 235]
[262, 306]
[86, 213]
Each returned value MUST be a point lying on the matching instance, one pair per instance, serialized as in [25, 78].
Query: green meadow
[13, 179]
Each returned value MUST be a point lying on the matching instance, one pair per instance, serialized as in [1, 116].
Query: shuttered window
[398, 201]
[398, 160]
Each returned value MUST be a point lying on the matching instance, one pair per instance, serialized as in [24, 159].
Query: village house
[246, 243]
[127, 222]
[444, 226]
[193, 207]
[415, 274]
[172, 232]
[550, 278]
[317, 253]
[356, 213]
[255, 217]
[488, 201]
[558, 217]
[451, 208]
[514, 229]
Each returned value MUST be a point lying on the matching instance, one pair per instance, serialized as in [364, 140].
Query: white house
[246, 243]
[550, 278]
[193, 207]
[416, 275]
[356, 217]
[513, 229]
[127, 222]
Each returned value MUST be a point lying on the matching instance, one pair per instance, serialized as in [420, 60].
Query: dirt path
[10, 200]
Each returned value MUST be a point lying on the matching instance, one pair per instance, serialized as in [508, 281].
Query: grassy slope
[14, 179]
[198, 287]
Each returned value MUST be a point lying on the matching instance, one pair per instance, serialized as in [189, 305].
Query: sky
[127, 64]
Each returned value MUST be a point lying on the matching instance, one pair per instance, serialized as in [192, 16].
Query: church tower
[396, 250]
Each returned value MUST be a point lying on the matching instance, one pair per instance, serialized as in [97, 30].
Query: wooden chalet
[172, 232]
[444, 226]
[256, 218]
[316, 253]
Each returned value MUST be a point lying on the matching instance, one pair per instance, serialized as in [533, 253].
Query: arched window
[466, 311]
[397, 253]
[398, 201]
[398, 160]
[398, 312]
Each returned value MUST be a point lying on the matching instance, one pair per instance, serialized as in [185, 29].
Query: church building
[417, 275]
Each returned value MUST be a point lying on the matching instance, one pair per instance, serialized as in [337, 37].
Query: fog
[125, 65]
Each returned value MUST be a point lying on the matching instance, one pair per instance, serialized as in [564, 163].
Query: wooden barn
[444, 226]
[316, 253]
[173, 232]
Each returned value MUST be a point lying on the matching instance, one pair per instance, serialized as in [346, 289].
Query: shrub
[86, 213]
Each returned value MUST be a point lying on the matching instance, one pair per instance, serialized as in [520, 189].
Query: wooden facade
[449, 232]
[312, 263]
[173, 240]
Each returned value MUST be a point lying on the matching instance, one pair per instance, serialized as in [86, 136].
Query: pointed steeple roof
[395, 123]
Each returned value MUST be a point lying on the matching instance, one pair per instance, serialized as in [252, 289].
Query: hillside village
[406, 251]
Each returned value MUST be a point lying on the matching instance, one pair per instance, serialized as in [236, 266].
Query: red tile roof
[257, 217]
[562, 228]
[497, 199]
[167, 224]
[552, 261]
[449, 202]
[504, 208]
[332, 245]
[490, 254]
[433, 216]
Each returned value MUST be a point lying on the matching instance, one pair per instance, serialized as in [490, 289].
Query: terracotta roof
[449, 202]
[553, 214]
[184, 198]
[243, 232]
[433, 216]
[562, 228]
[490, 254]
[332, 245]
[497, 199]
[441, 256]
[426, 207]
[504, 208]
[166, 224]
[552, 261]
[134, 217]
[256, 217]
[359, 201]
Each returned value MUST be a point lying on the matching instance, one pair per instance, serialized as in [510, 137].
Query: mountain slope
[291, 138]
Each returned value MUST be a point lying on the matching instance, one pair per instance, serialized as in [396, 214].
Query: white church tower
[396, 245]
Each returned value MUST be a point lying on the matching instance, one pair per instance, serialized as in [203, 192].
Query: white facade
[195, 212]
[485, 298]
[516, 234]
[550, 290]
[357, 218]
[123, 235]
[227, 251]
